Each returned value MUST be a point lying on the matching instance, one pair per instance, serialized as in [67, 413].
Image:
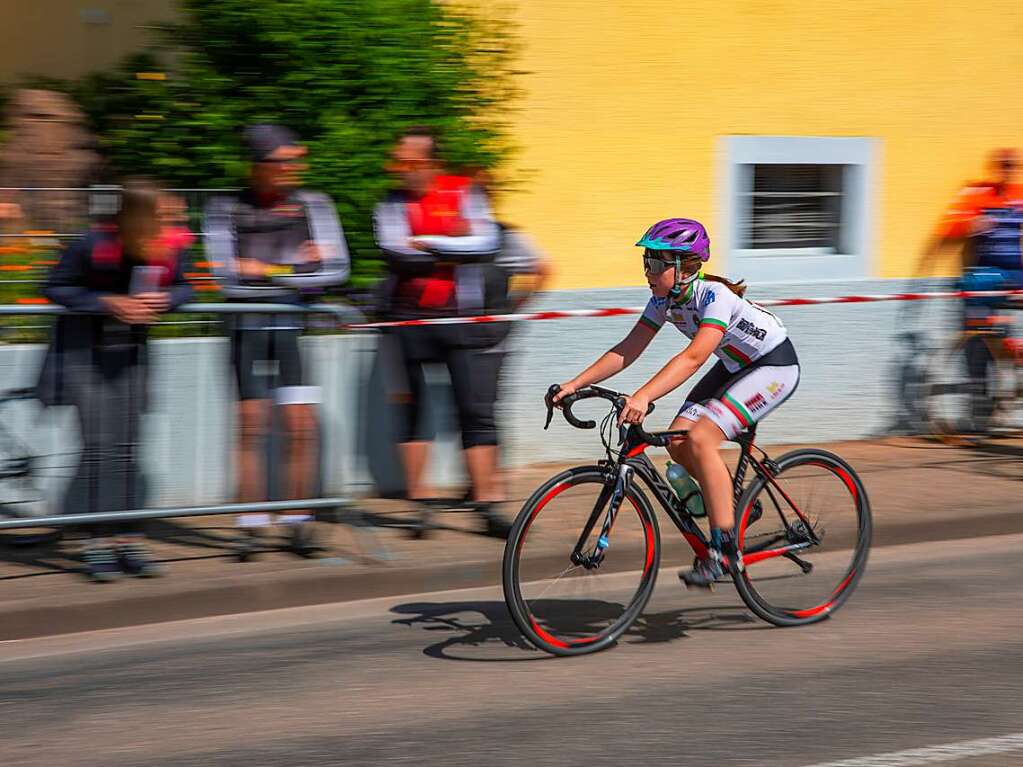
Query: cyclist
[757, 369]
[987, 217]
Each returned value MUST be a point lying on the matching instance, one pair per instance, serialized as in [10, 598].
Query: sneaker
[101, 564]
[304, 540]
[134, 559]
[494, 523]
[426, 524]
[705, 571]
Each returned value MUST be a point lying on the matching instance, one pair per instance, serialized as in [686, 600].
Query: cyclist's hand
[635, 409]
[566, 389]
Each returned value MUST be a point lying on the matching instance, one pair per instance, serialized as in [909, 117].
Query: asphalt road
[929, 651]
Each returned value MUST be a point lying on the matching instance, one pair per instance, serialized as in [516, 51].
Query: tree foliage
[346, 75]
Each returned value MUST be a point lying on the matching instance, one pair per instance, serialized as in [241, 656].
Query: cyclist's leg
[693, 409]
[747, 399]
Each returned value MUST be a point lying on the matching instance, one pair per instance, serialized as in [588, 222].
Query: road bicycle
[582, 558]
[975, 386]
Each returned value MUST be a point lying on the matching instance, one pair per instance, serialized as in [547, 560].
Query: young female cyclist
[757, 369]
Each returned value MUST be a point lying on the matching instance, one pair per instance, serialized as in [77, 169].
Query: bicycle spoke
[575, 607]
[802, 572]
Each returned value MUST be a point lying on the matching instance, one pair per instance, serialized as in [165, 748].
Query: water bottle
[686, 489]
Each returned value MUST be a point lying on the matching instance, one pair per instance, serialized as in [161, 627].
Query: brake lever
[549, 400]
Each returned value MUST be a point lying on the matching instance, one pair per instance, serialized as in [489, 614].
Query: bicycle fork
[613, 497]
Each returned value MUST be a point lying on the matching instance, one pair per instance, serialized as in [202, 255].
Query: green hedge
[347, 75]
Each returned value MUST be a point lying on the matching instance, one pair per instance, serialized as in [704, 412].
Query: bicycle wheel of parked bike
[969, 388]
[571, 609]
[816, 510]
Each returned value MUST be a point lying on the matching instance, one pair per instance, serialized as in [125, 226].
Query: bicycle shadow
[488, 627]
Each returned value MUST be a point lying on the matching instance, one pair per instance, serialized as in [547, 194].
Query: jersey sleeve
[717, 306]
[955, 224]
[654, 314]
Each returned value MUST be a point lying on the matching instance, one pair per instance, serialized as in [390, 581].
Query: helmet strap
[680, 283]
[676, 289]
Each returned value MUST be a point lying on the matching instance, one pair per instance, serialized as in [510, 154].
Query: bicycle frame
[632, 461]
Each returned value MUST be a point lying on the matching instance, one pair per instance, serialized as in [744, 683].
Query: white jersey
[749, 332]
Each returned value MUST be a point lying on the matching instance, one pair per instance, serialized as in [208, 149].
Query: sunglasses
[659, 261]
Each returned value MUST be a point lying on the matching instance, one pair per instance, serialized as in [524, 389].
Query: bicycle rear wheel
[803, 558]
[969, 388]
[569, 609]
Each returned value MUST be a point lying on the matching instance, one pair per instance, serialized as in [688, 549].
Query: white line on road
[950, 752]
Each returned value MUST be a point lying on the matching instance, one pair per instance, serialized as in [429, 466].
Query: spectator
[441, 242]
[121, 278]
[275, 242]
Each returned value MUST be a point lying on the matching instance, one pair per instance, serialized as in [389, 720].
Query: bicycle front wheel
[803, 556]
[566, 608]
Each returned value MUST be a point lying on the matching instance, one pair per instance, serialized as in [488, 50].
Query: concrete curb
[276, 590]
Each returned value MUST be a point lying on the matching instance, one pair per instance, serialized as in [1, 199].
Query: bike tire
[980, 403]
[859, 531]
[522, 609]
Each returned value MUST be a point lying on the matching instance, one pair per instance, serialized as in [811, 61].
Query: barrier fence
[17, 469]
[633, 310]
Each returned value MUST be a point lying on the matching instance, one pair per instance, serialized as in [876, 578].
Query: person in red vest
[440, 240]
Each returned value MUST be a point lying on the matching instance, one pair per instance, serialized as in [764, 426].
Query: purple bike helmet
[680, 234]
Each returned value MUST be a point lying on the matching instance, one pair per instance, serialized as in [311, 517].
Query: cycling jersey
[999, 246]
[451, 276]
[265, 347]
[240, 227]
[748, 331]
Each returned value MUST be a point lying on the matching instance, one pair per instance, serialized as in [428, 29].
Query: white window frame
[740, 153]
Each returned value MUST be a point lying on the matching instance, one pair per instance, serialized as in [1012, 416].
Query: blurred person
[986, 217]
[118, 279]
[275, 242]
[173, 212]
[440, 240]
[757, 370]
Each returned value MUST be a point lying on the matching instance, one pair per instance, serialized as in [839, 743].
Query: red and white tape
[565, 314]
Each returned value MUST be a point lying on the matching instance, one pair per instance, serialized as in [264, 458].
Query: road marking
[950, 752]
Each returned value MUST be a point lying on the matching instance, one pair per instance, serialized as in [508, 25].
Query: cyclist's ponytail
[739, 288]
[691, 264]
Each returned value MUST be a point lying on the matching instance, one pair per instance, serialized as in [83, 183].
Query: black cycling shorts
[474, 372]
[266, 361]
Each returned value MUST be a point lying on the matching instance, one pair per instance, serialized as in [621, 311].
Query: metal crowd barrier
[339, 509]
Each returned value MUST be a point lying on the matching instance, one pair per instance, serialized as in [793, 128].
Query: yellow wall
[626, 101]
[50, 37]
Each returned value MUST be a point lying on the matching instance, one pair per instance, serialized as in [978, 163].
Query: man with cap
[278, 243]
